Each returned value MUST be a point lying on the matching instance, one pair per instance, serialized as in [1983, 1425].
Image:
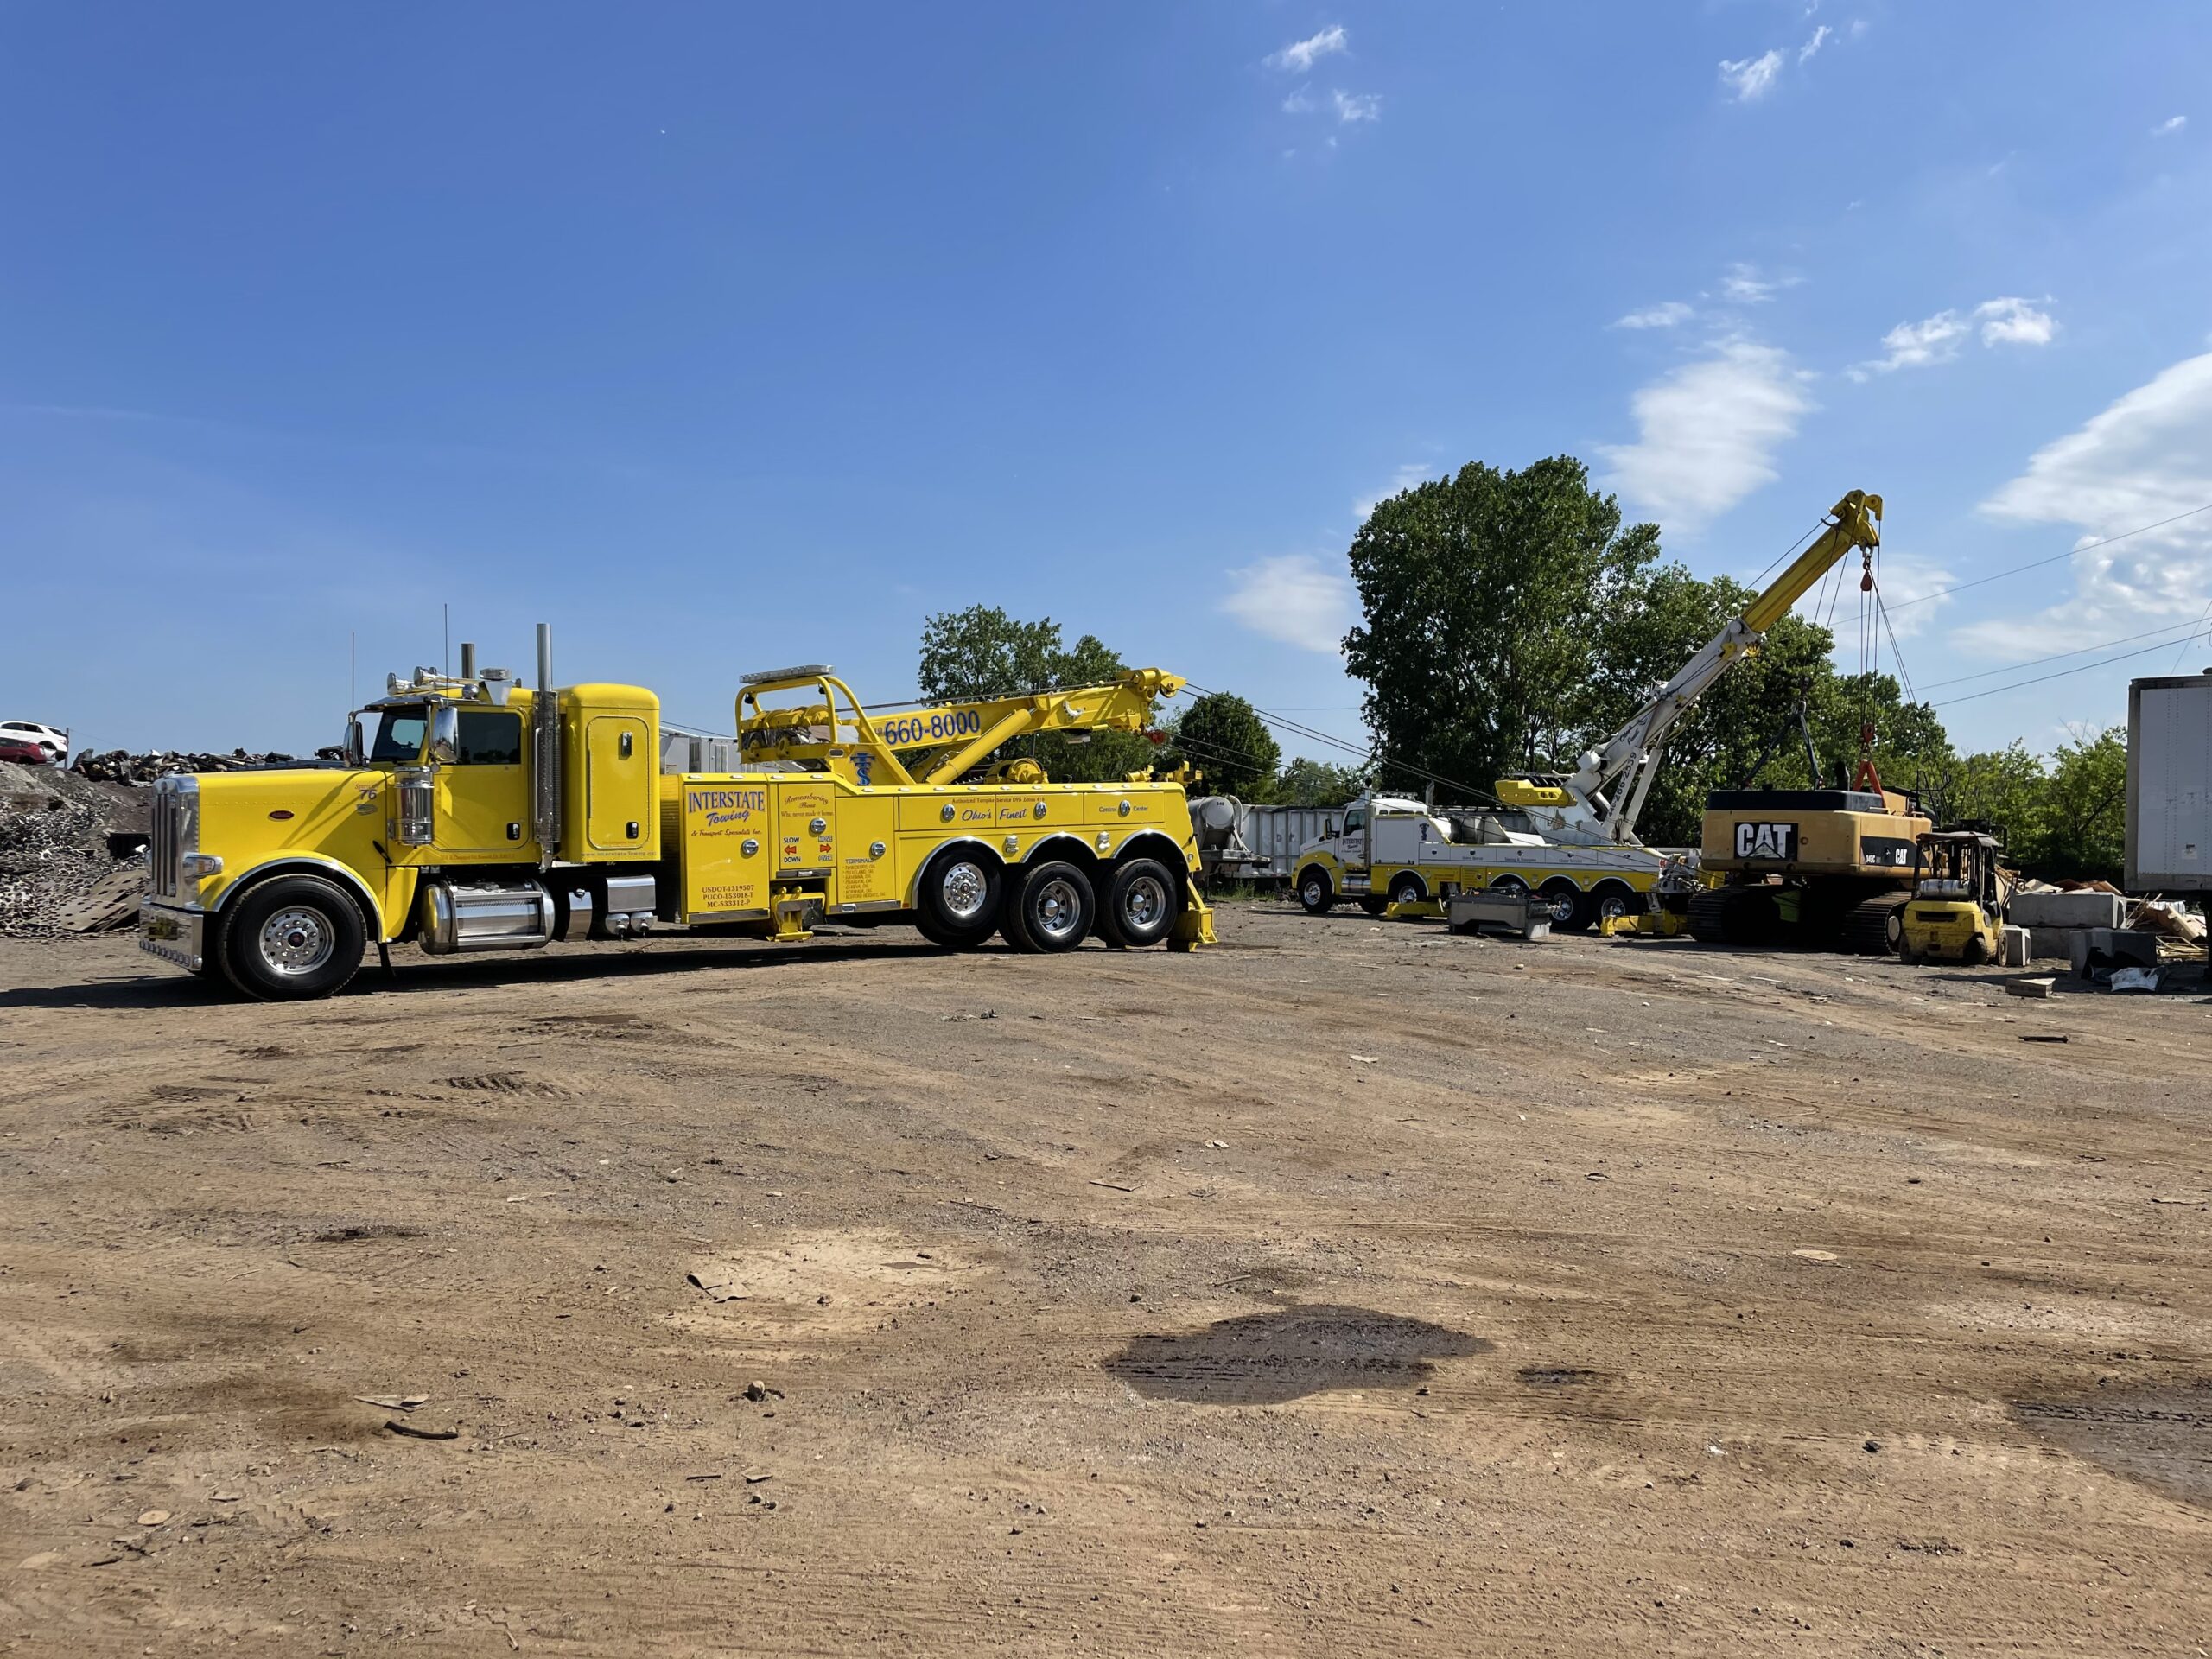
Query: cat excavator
[1820, 869]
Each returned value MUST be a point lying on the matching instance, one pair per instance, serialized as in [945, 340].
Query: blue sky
[723, 338]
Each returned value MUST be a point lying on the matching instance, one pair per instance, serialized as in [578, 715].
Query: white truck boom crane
[1579, 808]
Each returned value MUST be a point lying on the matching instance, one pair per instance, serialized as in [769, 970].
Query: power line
[2184, 644]
[2062, 673]
[2036, 564]
[2078, 651]
[1362, 752]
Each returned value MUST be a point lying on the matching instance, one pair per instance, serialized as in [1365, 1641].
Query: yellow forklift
[1961, 896]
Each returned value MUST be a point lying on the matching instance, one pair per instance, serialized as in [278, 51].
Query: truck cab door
[1352, 843]
[483, 788]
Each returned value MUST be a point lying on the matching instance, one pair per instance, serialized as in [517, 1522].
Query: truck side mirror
[1329, 827]
[355, 754]
[445, 734]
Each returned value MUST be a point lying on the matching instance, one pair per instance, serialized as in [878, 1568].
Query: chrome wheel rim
[296, 941]
[1312, 892]
[1145, 902]
[1612, 905]
[964, 890]
[1059, 909]
[1562, 906]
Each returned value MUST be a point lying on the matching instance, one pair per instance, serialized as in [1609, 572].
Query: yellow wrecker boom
[1629, 759]
[940, 743]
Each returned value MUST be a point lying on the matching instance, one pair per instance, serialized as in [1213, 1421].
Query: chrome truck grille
[174, 830]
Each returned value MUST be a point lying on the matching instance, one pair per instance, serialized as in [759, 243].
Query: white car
[53, 740]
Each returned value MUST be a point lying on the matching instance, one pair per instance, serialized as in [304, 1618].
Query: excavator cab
[1959, 898]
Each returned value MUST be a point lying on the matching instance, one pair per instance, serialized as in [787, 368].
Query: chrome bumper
[177, 936]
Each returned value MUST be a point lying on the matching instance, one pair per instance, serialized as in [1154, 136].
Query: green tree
[1317, 783]
[1221, 736]
[2085, 824]
[981, 652]
[2006, 788]
[1482, 596]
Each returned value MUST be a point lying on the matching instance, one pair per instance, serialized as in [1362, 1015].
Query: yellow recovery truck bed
[485, 815]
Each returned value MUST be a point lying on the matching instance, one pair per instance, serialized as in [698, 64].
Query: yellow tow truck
[483, 814]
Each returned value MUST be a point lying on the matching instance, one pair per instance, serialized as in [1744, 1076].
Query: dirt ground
[1350, 1289]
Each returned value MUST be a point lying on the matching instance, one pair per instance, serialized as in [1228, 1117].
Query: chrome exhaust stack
[545, 736]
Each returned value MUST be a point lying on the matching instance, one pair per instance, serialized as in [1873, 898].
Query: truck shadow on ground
[163, 988]
[1265, 1359]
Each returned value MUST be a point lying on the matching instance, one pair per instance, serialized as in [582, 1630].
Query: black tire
[1373, 905]
[1048, 908]
[1509, 884]
[292, 939]
[1571, 906]
[1407, 888]
[1617, 899]
[1142, 901]
[1316, 892]
[957, 900]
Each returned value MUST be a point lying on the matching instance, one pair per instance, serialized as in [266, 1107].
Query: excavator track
[1709, 916]
[1871, 927]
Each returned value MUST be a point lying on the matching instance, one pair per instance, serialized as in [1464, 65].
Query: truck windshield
[399, 738]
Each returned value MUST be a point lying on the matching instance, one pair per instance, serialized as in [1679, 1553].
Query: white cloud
[2172, 123]
[1299, 102]
[1707, 432]
[1746, 284]
[1910, 585]
[1665, 314]
[2013, 321]
[1404, 479]
[1747, 79]
[2008, 321]
[1357, 106]
[1296, 599]
[2147, 458]
[1300, 55]
[1820, 38]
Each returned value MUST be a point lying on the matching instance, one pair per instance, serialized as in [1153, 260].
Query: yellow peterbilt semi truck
[482, 815]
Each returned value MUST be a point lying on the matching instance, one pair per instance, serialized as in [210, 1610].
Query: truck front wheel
[294, 937]
[1315, 892]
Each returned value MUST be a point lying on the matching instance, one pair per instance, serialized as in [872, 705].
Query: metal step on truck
[476, 814]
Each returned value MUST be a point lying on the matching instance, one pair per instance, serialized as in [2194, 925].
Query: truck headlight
[198, 867]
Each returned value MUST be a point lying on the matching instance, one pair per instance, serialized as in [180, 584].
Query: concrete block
[2112, 947]
[2042, 985]
[2052, 943]
[2013, 948]
[2066, 908]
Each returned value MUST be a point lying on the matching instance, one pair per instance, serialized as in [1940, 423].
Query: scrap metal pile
[70, 858]
[120, 766]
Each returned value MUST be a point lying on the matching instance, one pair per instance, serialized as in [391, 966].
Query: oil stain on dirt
[1265, 1359]
[2160, 1437]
